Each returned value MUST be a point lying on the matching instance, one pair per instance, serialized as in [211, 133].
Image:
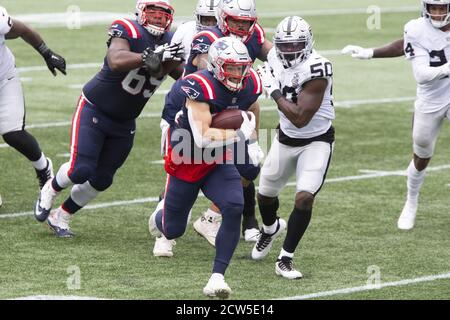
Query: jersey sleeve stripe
[256, 81]
[211, 35]
[261, 34]
[131, 29]
[205, 84]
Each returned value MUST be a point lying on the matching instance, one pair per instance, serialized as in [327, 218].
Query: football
[228, 119]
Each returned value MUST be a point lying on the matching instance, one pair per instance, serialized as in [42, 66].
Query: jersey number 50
[139, 81]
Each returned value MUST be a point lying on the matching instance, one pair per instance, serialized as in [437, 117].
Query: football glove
[173, 52]
[152, 59]
[269, 82]
[53, 60]
[255, 153]
[248, 125]
[358, 52]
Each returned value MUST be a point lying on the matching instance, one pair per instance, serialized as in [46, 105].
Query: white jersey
[185, 33]
[7, 63]
[291, 84]
[423, 40]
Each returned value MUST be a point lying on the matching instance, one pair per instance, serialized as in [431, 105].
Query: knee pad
[101, 182]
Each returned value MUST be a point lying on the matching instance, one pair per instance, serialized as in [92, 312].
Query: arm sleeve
[5, 21]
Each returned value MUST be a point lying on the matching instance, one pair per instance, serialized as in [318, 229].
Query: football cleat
[408, 217]
[265, 241]
[152, 227]
[250, 229]
[46, 174]
[251, 235]
[285, 267]
[163, 247]
[217, 287]
[45, 201]
[58, 221]
[207, 227]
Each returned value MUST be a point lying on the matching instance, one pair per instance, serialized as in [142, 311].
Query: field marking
[92, 18]
[372, 175]
[368, 287]
[49, 297]
[69, 67]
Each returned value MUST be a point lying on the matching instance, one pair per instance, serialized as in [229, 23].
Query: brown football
[227, 119]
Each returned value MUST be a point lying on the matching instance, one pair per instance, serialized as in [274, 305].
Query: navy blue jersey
[202, 86]
[203, 40]
[123, 95]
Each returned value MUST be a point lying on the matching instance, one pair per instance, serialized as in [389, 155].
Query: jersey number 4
[138, 81]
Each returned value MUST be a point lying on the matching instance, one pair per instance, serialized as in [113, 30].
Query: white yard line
[48, 297]
[91, 18]
[376, 174]
[368, 287]
[69, 67]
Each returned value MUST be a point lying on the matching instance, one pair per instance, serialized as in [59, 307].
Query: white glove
[255, 153]
[173, 52]
[269, 82]
[248, 125]
[358, 52]
[164, 125]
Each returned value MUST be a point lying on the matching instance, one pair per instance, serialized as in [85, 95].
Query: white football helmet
[229, 61]
[241, 10]
[155, 16]
[444, 19]
[293, 41]
[205, 8]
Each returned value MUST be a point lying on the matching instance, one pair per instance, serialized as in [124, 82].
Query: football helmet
[205, 8]
[426, 12]
[155, 16]
[241, 12]
[229, 61]
[293, 41]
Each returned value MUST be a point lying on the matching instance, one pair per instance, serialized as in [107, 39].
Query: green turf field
[354, 220]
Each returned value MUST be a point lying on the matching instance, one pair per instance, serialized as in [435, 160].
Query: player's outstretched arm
[29, 35]
[120, 58]
[391, 50]
[256, 110]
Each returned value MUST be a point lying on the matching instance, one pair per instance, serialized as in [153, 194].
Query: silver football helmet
[293, 41]
[443, 19]
[155, 15]
[205, 8]
[229, 61]
[241, 11]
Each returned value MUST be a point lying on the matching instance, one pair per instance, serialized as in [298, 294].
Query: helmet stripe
[289, 26]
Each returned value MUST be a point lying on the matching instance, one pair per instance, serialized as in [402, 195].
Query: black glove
[152, 59]
[53, 60]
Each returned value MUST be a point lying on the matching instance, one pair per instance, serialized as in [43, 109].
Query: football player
[426, 45]
[300, 82]
[12, 106]
[138, 60]
[229, 83]
[235, 18]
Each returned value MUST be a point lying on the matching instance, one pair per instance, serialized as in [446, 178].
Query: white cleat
[217, 287]
[208, 227]
[408, 217]
[265, 241]
[163, 247]
[45, 201]
[251, 235]
[154, 231]
[58, 221]
[285, 267]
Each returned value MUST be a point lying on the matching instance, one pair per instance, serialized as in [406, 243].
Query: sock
[62, 179]
[268, 211]
[70, 206]
[270, 229]
[414, 182]
[249, 200]
[284, 253]
[40, 164]
[297, 225]
[227, 238]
